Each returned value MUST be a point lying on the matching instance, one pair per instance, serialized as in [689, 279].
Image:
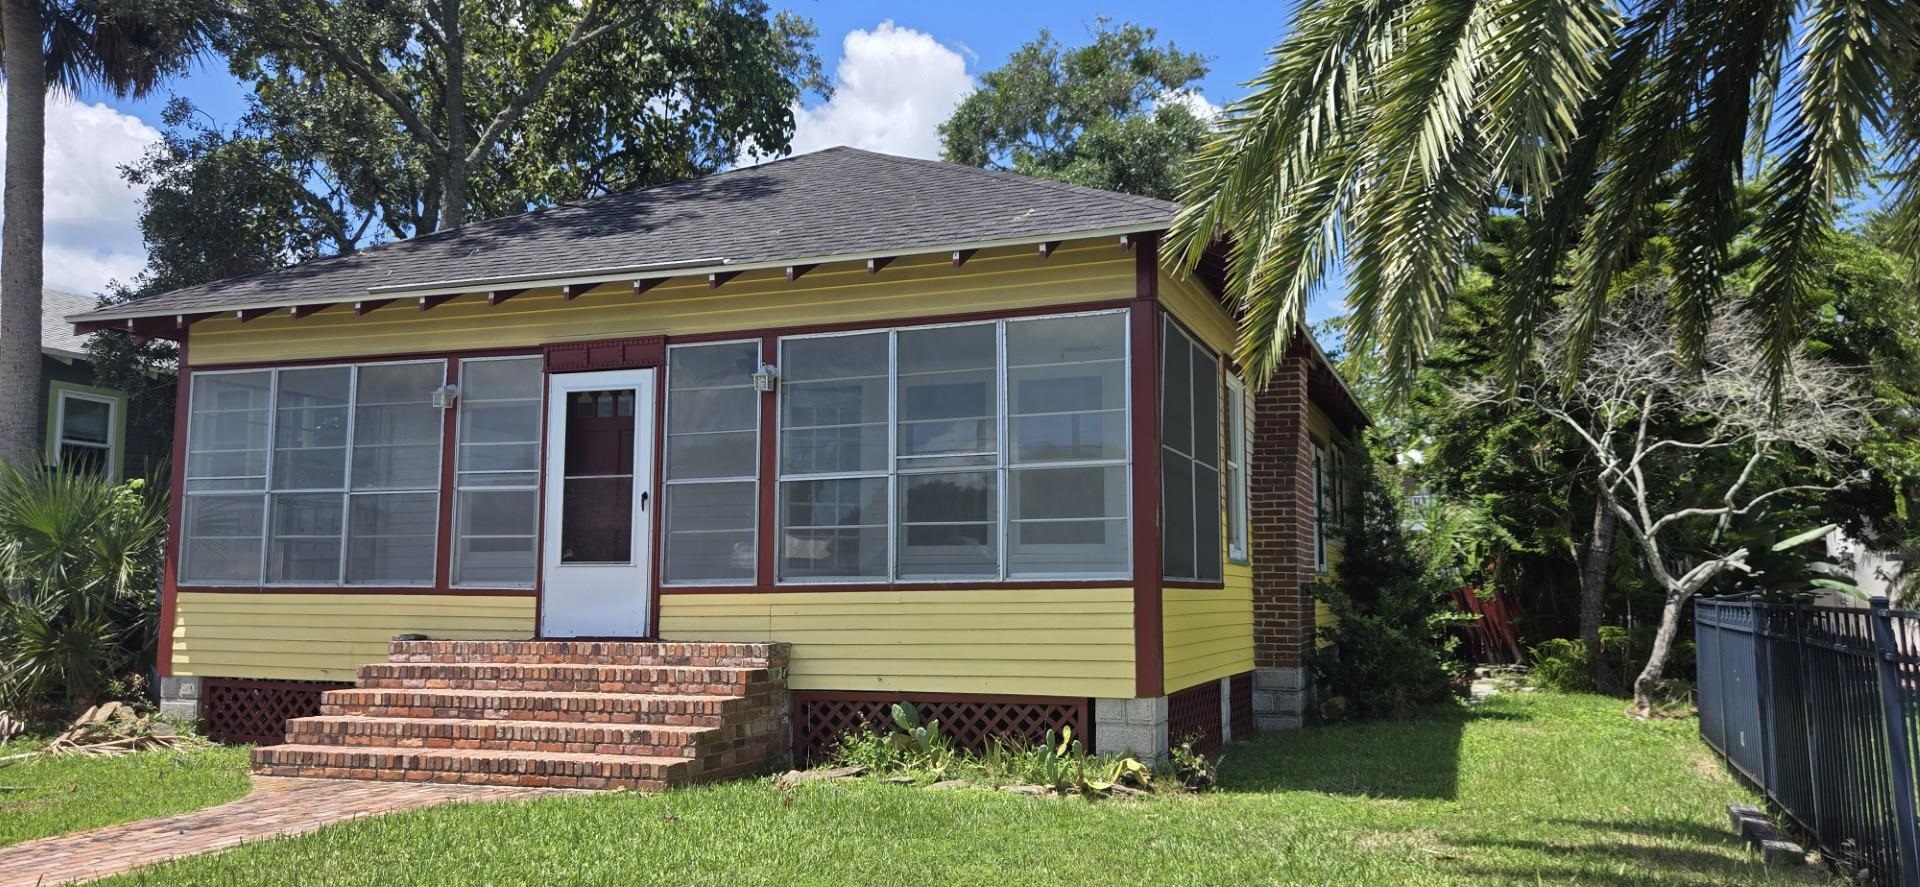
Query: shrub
[1390, 648]
[1563, 663]
[79, 580]
[1060, 762]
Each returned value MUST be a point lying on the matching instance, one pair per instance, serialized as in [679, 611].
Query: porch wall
[1041, 642]
[325, 637]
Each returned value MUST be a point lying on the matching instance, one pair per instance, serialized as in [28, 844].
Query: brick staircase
[560, 714]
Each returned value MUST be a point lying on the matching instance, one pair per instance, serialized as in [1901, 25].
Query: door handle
[643, 499]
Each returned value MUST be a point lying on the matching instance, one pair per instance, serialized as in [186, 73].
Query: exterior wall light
[766, 378]
[444, 396]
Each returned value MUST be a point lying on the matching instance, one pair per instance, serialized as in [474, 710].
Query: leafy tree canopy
[1112, 114]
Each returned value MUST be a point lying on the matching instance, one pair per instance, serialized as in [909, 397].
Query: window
[1323, 503]
[496, 480]
[1239, 444]
[713, 464]
[84, 434]
[1190, 456]
[969, 451]
[314, 476]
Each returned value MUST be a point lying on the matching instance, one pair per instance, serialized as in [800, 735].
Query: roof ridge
[1055, 184]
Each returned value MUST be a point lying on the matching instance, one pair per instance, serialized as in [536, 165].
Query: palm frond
[1840, 88]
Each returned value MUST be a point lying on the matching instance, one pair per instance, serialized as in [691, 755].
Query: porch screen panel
[948, 399]
[496, 509]
[313, 475]
[1067, 417]
[1190, 456]
[993, 450]
[226, 476]
[393, 514]
[835, 421]
[713, 442]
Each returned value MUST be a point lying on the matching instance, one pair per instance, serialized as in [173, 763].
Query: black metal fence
[1817, 707]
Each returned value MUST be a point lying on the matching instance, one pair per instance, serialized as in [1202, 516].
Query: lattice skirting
[257, 711]
[1194, 713]
[821, 717]
[1240, 706]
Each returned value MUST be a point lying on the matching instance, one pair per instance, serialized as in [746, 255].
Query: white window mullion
[1003, 416]
[346, 478]
[893, 455]
[266, 493]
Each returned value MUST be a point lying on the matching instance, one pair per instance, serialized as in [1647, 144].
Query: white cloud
[92, 215]
[893, 88]
[1195, 102]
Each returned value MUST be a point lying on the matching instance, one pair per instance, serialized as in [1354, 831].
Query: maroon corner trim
[606, 354]
[766, 525]
[1143, 324]
[176, 511]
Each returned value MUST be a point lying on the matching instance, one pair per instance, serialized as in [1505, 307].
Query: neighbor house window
[84, 430]
[967, 451]
[1190, 456]
[712, 463]
[314, 476]
[1239, 444]
[496, 480]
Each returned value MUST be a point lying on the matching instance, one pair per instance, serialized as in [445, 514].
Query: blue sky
[899, 68]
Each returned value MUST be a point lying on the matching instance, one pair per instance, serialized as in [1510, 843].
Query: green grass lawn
[42, 796]
[1533, 788]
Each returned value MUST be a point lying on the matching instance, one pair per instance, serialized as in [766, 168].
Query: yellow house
[955, 436]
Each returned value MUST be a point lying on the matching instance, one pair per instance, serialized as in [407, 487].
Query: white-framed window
[987, 450]
[712, 486]
[85, 433]
[496, 478]
[1323, 503]
[1189, 456]
[1239, 446]
[321, 475]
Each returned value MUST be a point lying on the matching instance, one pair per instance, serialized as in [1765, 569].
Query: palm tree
[126, 46]
[1384, 132]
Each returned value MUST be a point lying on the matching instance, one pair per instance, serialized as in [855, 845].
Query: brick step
[649, 740]
[474, 766]
[688, 654]
[681, 679]
[537, 705]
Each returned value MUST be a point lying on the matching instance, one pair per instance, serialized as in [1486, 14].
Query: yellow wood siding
[910, 288]
[1043, 642]
[1199, 311]
[325, 637]
[1208, 632]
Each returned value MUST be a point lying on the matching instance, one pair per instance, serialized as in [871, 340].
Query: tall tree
[1384, 130]
[490, 107]
[126, 46]
[1117, 113]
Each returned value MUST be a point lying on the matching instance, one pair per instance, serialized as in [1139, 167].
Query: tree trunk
[1593, 592]
[453, 203]
[21, 232]
[1649, 679]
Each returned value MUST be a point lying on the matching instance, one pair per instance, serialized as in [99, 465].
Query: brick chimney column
[1281, 531]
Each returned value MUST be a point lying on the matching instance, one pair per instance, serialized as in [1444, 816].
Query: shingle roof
[56, 334]
[836, 202]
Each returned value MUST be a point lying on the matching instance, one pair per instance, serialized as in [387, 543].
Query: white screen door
[599, 480]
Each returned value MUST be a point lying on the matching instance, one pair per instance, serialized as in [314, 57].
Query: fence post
[1762, 691]
[1893, 709]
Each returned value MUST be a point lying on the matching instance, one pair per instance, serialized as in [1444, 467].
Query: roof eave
[595, 277]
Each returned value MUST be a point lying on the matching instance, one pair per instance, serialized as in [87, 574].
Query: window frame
[1195, 345]
[1234, 467]
[667, 481]
[267, 492]
[1322, 460]
[451, 470]
[1002, 468]
[58, 393]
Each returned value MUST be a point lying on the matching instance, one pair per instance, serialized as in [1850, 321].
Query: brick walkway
[276, 806]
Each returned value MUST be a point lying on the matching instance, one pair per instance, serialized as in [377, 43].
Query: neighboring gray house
[84, 425]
